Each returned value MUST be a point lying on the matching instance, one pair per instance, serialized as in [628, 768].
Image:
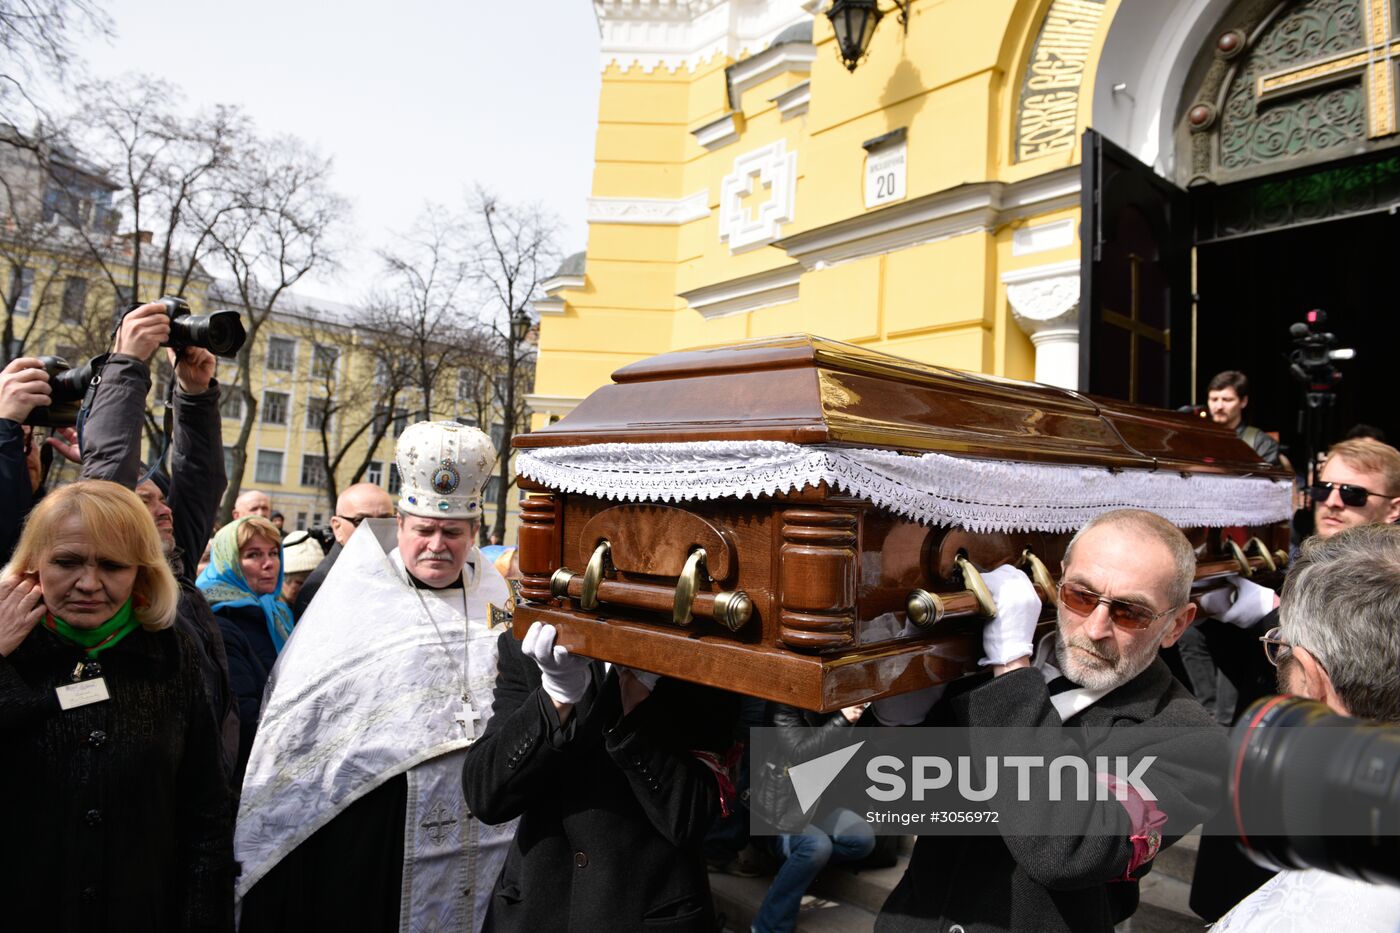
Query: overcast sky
[415, 101]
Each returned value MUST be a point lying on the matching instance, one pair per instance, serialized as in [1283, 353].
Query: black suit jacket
[614, 809]
[1070, 882]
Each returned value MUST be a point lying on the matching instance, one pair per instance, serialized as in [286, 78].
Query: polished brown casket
[815, 595]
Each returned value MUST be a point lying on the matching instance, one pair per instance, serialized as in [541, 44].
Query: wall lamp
[854, 22]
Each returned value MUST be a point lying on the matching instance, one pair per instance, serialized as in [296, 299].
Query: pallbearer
[352, 814]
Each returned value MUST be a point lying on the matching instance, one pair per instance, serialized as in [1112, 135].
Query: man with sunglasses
[1359, 485]
[1338, 642]
[355, 504]
[1124, 594]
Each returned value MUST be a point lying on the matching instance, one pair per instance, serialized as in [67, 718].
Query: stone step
[848, 899]
[738, 900]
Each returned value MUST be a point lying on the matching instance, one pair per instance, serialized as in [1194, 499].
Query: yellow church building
[1116, 196]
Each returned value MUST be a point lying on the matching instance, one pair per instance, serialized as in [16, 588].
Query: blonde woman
[116, 808]
[243, 584]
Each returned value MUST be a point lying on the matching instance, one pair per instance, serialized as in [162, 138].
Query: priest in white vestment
[352, 814]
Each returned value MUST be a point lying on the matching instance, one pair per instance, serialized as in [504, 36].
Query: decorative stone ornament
[443, 466]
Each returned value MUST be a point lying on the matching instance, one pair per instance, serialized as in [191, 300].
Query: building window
[301, 521]
[281, 353]
[400, 421]
[67, 351]
[323, 360]
[375, 473]
[274, 408]
[317, 413]
[269, 467]
[465, 384]
[74, 299]
[317, 520]
[313, 470]
[394, 482]
[228, 461]
[231, 402]
[498, 435]
[492, 485]
[380, 422]
[21, 289]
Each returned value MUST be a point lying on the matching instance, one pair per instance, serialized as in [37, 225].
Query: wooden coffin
[815, 596]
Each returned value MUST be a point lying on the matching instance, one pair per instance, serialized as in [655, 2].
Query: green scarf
[95, 640]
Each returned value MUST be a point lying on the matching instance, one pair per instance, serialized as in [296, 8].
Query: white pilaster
[1045, 304]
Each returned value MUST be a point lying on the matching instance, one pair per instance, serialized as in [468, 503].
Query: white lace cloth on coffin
[363, 692]
[936, 489]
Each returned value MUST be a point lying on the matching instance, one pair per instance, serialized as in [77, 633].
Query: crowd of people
[281, 738]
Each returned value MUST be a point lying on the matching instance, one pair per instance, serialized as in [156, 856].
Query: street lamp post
[516, 332]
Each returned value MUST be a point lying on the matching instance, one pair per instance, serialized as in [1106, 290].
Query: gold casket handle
[593, 575]
[732, 608]
[1040, 576]
[972, 579]
[924, 609]
[1262, 549]
[1245, 569]
[687, 584]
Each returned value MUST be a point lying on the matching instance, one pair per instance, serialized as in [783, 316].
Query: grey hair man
[1337, 642]
[1124, 594]
[1339, 623]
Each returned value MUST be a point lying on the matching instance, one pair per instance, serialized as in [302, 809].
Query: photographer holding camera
[24, 386]
[1338, 643]
[182, 505]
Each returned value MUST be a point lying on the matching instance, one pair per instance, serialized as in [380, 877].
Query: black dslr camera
[1312, 789]
[219, 332]
[67, 386]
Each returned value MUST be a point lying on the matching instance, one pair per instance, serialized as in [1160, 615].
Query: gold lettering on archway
[1047, 117]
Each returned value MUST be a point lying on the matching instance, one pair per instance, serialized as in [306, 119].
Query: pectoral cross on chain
[467, 717]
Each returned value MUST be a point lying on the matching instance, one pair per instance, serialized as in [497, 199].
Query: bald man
[252, 502]
[356, 503]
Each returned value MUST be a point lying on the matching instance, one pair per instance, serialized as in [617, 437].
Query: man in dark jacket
[24, 386]
[612, 773]
[1124, 594]
[182, 506]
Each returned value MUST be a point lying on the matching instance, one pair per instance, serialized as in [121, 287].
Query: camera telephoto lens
[1314, 789]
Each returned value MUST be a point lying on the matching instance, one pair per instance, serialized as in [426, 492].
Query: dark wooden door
[1135, 310]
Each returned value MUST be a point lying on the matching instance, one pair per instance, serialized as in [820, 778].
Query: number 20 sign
[885, 175]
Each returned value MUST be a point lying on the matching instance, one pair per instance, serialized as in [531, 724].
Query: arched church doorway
[1275, 193]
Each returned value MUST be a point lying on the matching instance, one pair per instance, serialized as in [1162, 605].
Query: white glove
[564, 676]
[1008, 634]
[906, 709]
[1242, 603]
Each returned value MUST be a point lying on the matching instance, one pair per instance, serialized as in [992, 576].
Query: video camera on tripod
[1315, 353]
[1312, 363]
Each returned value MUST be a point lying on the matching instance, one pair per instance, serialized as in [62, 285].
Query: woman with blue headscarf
[243, 584]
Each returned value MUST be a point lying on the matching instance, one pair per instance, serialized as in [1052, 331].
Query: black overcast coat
[614, 809]
[1064, 883]
[116, 813]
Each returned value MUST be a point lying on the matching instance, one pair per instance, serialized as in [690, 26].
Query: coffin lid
[802, 389]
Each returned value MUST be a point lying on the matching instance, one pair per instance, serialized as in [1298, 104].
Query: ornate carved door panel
[1136, 243]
